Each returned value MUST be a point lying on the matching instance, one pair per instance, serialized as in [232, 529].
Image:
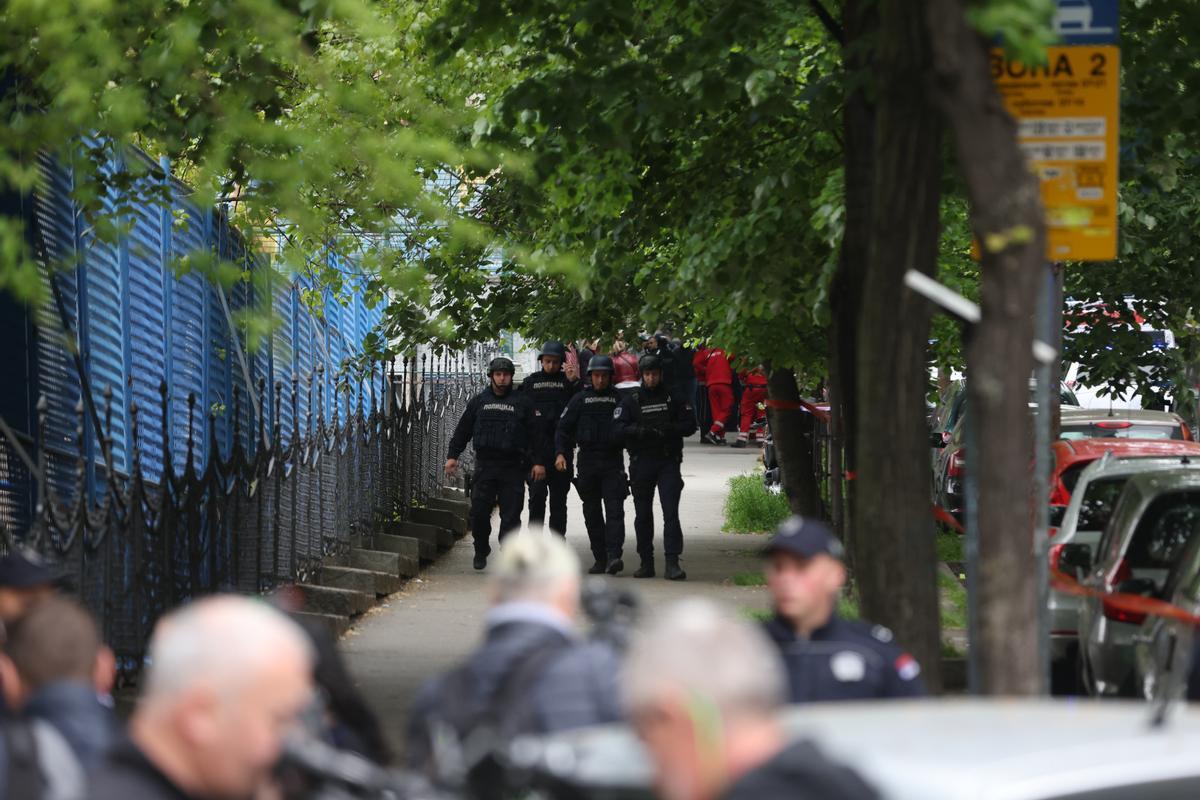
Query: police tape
[1133, 604]
[946, 518]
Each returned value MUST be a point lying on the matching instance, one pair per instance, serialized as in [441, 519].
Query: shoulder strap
[505, 709]
[25, 779]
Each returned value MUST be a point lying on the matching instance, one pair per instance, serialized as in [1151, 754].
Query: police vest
[549, 394]
[656, 410]
[596, 424]
[498, 425]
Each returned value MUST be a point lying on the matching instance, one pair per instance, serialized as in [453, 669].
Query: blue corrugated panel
[305, 347]
[103, 331]
[147, 343]
[58, 381]
[283, 356]
[189, 347]
[220, 353]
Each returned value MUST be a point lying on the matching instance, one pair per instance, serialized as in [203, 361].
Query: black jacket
[801, 772]
[129, 775]
[652, 422]
[845, 660]
[90, 728]
[525, 445]
[549, 395]
[589, 421]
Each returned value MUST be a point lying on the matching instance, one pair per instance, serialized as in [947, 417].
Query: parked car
[953, 402]
[1125, 423]
[949, 749]
[1164, 647]
[1156, 516]
[1095, 486]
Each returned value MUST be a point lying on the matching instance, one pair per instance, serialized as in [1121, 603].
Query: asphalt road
[436, 620]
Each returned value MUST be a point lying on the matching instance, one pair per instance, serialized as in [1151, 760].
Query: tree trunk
[792, 432]
[1006, 217]
[859, 20]
[895, 559]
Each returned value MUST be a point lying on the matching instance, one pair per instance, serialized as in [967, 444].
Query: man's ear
[11, 685]
[104, 673]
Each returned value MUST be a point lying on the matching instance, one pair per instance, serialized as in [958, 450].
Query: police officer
[827, 657]
[549, 390]
[654, 424]
[502, 425]
[589, 421]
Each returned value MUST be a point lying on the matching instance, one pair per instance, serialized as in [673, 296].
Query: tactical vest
[549, 394]
[498, 425]
[656, 409]
[596, 424]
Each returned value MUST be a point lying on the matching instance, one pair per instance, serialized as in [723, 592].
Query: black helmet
[554, 349]
[600, 364]
[501, 364]
[650, 362]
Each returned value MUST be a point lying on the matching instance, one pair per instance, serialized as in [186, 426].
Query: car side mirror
[936, 440]
[1144, 586]
[1075, 558]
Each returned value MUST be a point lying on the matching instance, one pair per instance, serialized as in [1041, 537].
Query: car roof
[1076, 416]
[1077, 449]
[947, 749]
[1151, 483]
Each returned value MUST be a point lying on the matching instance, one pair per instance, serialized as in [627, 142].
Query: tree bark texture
[1006, 217]
[793, 434]
[895, 558]
[859, 21]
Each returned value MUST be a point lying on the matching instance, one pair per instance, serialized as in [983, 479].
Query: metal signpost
[1068, 120]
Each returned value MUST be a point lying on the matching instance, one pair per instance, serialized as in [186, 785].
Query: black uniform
[589, 421]
[507, 442]
[549, 395]
[800, 772]
[654, 425]
[845, 660]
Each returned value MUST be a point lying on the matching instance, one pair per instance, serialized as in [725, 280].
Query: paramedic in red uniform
[754, 392]
[719, 377]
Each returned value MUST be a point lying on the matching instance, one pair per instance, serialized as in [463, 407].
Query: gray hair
[699, 651]
[533, 566]
[220, 641]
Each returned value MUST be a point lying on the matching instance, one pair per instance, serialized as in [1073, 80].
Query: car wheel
[1087, 684]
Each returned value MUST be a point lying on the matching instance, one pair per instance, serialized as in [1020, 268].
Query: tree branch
[831, 24]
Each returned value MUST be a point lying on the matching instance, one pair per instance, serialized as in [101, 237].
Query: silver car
[1155, 519]
[1093, 499]
[1165, 646]
[960, 749]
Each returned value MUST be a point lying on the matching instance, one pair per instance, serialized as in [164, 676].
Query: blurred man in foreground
[55, 668]
[227, 679]
[827, 657]
[533, 673]
[703, 691]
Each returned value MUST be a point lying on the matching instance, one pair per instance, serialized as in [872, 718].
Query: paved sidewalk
[436, 620]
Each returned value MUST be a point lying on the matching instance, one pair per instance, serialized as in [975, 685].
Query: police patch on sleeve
[907, 667]
[617, 412]
[883, 634]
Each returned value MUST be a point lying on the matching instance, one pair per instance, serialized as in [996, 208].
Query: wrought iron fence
[255, 517]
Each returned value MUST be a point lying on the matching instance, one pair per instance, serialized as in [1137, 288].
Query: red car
[1071, 457]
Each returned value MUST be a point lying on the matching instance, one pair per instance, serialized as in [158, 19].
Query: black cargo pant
[603, 491]
[496, 482]
[648, 472]
[556, 486]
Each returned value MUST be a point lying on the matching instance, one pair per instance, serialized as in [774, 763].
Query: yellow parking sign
[1067, 113]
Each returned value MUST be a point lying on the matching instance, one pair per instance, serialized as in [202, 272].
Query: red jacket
[753, 378]
[716, 368]
[698, 364]
[625, 367]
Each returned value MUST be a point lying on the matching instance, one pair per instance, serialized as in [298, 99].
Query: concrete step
[340, 602]
[454, 493]
[432, 538]
[335, 624]
[460, 507]
[442, 519]
[376, 560]
[402, 545]
[361, 580]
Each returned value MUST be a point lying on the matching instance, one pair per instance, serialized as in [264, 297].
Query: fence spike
[295, 409]
[262, 421]
[237, 415]
[191, 440]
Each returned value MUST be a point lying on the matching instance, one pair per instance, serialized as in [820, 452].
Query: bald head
[227, 679]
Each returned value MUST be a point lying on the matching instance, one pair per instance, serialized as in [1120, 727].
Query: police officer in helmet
[589, 421]
[654, 425]
[827, 657]
[549, 389]
[502, 426]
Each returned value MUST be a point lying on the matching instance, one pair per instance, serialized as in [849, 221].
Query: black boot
[597, 568]
[480, 561]
[615, 566]
[674, 571]
[646, 570]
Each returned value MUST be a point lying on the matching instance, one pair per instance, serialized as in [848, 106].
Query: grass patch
[749, 579]
[950, 651]
[953, 597]
[949, 546]
[750, 508]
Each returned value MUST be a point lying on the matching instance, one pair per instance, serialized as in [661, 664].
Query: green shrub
[950, 546]
[749, 579]
[750, 508]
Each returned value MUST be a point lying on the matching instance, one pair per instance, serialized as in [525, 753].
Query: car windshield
[1091, 430]
[1099, 499]
[1166, 527]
